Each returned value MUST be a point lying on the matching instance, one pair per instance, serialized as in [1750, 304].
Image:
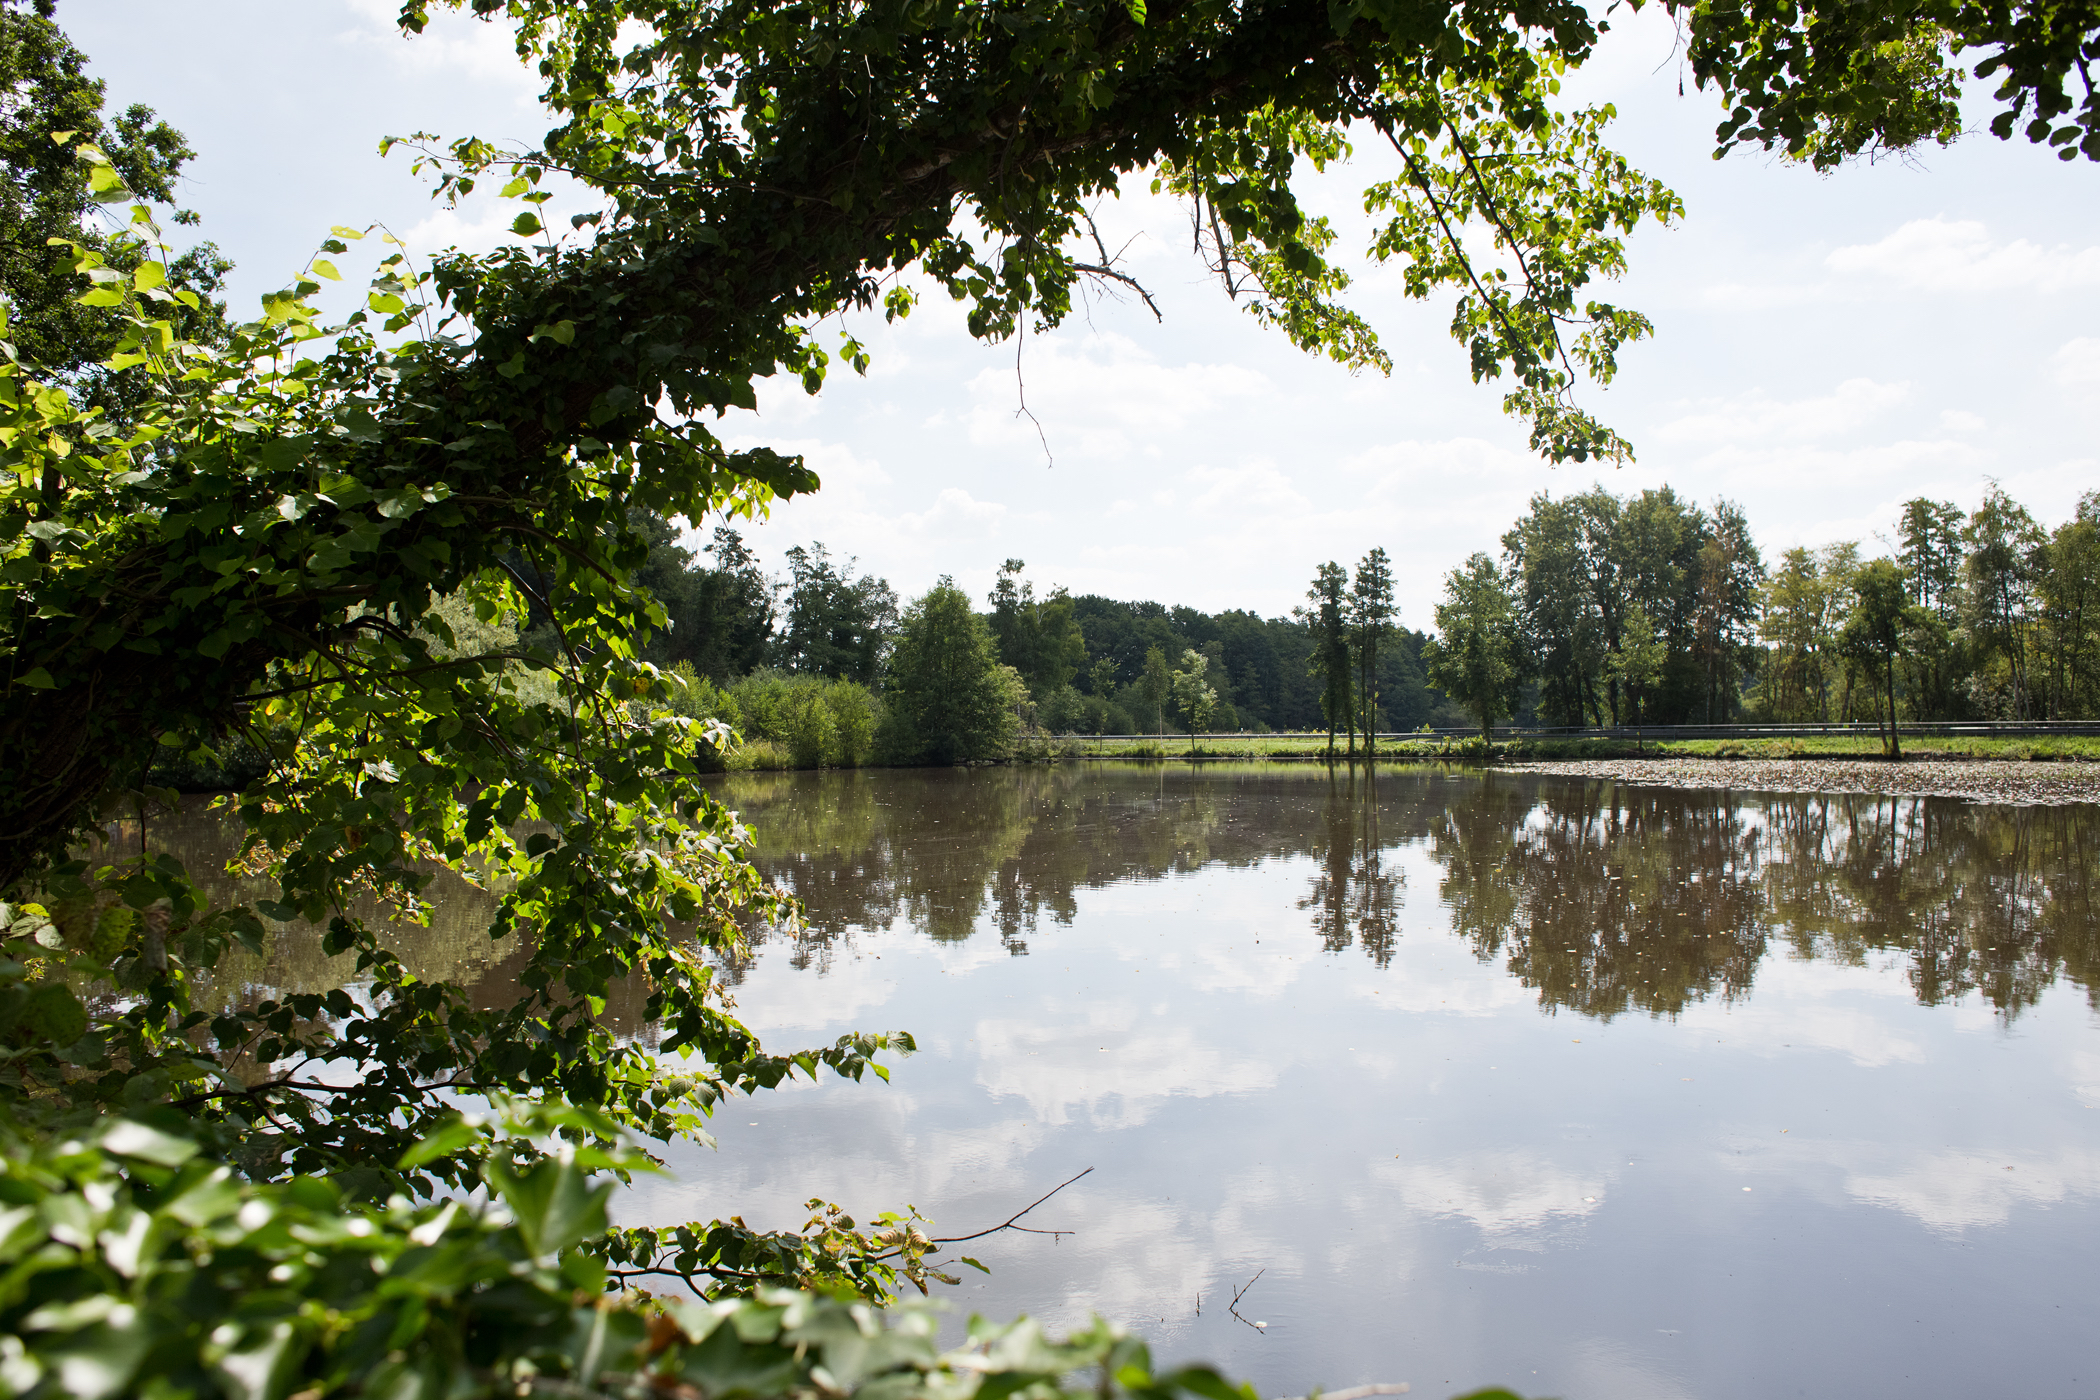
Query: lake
[1453, 1077]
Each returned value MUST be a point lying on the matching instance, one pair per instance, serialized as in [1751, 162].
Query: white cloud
[1101, 396]
[1953, 1191]
[1509, 1196]
[1940, 255]
[1757, 416]
[2078, 363]
[1257, 486]
[1117, 1067]
[452, 47]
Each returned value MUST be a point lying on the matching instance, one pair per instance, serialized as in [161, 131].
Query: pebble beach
[2011, 782]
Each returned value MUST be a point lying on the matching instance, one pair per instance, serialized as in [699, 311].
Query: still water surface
[1589, 1090]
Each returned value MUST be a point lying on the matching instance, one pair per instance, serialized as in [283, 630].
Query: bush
[856, 715]
[786, 721]
[1063, 710]
[759, 756]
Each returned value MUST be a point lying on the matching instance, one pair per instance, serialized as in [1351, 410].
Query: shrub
[948, 700]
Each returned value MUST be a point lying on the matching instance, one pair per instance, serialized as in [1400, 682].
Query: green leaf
[149, 275]
[555, 1204]
[99, 1362]
[324, 268]
[263, 1366]
[101, 296]
[128, 1137]
[452, 1138]
[52, 1013]
[526, 224]
[39, 678]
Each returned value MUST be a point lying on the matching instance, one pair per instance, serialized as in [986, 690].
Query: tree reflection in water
[1354, 896]
[1606, 899]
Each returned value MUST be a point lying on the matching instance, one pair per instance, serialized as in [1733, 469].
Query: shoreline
[2009, 782]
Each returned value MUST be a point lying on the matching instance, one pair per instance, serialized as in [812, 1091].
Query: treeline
[1599, 610]
[822, 665]
[1649, 609]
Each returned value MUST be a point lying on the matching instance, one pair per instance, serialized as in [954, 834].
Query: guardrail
[1931, 729]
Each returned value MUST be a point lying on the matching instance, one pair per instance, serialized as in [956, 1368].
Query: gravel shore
[2014, 783]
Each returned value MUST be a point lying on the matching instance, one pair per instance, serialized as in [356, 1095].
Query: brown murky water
[1587, 1090]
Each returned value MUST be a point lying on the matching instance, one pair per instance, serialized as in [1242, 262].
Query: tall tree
[1805, 603]
[1371, 615]
[1194, 696]
[1724, 620]
[837, 624]
[1874, 635]
[1999, 574]
[1476, 657]
[2070, 609]
[47, 204]
[1156, 683]
[732, 621]
[1328, 619]
[1930, 553]
[1040, 638]
[1639, 661]
[948, 698]
[1549, 551]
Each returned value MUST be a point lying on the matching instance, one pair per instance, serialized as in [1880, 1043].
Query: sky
[1827, 346]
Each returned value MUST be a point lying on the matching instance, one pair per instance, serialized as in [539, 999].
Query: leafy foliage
[949, 699]
[837, 625]
[1827, 82]
[48, 202]
[1477, 655]
[138, 1265]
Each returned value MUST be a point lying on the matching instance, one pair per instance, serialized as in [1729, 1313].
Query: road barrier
[1937, 729]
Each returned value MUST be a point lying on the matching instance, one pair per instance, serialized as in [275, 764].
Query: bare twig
[1127, 280]
[1357, 1392]
[1021, 392]
[1106, 267]
[1008, 1223]
[1238, 1293]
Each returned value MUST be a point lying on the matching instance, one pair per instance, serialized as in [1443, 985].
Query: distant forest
[1082, 657]
[1599, 609]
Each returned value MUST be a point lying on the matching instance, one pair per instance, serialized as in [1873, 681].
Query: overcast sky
[1827, 346]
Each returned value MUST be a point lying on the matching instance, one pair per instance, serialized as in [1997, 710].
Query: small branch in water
[1357, 1392]
[1008, 1223]
[1238, 1293]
